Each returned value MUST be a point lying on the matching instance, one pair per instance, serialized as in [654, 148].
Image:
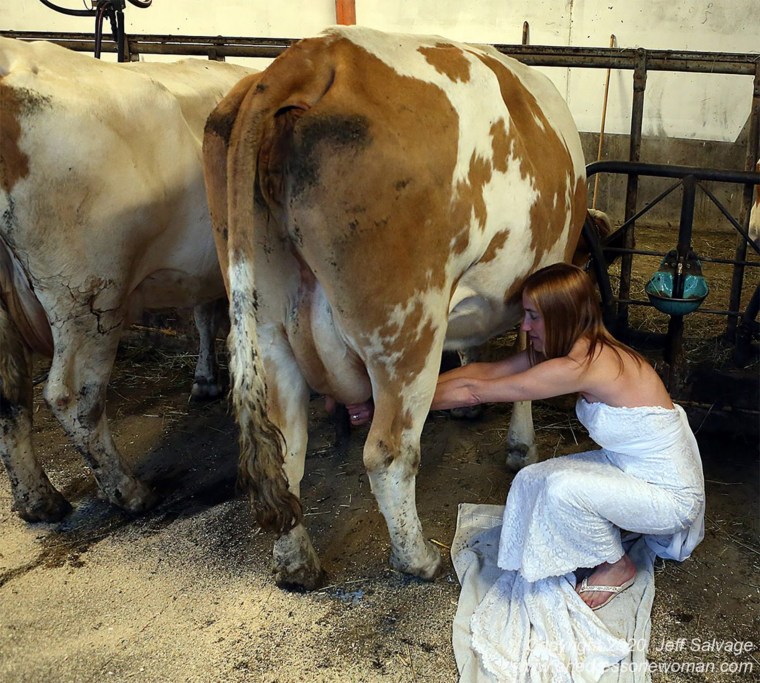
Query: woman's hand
[457, 392]
[458, 388]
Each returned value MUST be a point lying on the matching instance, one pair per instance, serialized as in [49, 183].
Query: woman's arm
[508, 366]
[554, 377]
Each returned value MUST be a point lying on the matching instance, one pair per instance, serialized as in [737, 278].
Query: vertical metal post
[753, 151]
[132, 50]
[674, 354]
[631, 197]
[674, 344]
[684, 232]
[117, 28]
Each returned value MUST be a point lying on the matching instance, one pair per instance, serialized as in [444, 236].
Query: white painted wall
[693, 106]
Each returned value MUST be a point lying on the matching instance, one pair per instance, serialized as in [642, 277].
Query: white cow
[104, 214]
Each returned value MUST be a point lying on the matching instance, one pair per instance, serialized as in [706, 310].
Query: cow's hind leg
[392, 459]
[295, 562]
[521, 447]
[76, 393]
[35, 498]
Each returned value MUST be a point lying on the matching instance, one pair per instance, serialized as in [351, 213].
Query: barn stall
[184, 592]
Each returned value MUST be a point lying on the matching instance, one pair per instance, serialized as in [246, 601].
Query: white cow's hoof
[301, 579]
[519, 456]
[426, 567]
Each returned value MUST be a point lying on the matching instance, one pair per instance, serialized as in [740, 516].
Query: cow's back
[100, 171]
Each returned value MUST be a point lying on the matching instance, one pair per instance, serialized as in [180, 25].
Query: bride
[567, 513]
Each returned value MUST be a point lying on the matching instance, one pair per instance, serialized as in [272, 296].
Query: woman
[566, 513]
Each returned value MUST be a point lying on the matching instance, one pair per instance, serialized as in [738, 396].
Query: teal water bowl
[659, 289]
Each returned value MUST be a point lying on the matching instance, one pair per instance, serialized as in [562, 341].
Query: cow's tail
[283, 86]
[24, 328]
[600, 222]
[603, 236]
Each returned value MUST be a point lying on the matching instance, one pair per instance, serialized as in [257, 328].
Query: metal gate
[741, 325]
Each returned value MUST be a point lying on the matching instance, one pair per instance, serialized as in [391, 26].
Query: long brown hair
[566, 299]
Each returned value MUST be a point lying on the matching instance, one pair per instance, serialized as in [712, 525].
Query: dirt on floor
[184, 592]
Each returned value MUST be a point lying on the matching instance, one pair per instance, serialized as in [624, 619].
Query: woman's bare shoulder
[621, 379]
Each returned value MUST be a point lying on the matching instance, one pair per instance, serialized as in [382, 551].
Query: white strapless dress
[567, 513]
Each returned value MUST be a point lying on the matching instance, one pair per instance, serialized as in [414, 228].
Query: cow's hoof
[295, 563]
[297, 574]
[426, 567]
[133, 496]
[520, 455]
[303, 579]
[204, 390]
[52, 508]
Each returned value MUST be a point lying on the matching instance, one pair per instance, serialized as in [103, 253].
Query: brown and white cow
[376, 198]
[104, 214]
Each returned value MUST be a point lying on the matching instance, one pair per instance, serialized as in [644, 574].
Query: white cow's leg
[207, 317]
[394, 488]
[35, 498]
[521, 447]
[521, 438]
[76, 393]
[295, 562]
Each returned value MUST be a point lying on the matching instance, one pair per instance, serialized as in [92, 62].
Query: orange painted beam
[345, 11]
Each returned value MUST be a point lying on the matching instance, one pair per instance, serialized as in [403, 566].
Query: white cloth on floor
[567, 513]
[626, 619]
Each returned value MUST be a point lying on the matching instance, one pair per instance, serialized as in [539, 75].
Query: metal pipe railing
[534, 55]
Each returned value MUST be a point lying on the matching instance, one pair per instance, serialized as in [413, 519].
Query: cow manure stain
[320, 137]
[11, 574]
[216, 493]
